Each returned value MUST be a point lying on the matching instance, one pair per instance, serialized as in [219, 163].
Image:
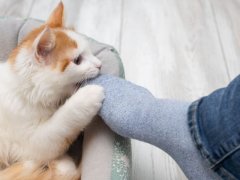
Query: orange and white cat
[40, 112]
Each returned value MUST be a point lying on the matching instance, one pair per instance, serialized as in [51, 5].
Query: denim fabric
[214, 123]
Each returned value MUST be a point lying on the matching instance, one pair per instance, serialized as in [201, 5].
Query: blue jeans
[214, 123]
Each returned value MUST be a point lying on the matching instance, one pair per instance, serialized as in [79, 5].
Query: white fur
[35, 118]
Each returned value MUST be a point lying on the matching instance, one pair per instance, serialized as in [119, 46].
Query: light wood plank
[146, 164]
[42, 9]
[227, 15]
[142, 162]
[16, 8]
[100, 20]
[173, 45]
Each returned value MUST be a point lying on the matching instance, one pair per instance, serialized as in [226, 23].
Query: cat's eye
[78, 60]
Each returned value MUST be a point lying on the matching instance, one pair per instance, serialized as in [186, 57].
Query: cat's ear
[45, 43]
[57, 17]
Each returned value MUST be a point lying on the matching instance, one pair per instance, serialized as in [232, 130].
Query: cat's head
[54, 57]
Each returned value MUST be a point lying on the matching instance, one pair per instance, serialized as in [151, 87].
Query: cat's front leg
[52, 138]
[82, 106]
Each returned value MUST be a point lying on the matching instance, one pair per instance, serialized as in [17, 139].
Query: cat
[41, 110]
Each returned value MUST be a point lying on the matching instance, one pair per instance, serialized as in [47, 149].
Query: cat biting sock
[133, 112]
[42, 109]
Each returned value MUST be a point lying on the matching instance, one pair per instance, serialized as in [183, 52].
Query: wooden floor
[180, 49]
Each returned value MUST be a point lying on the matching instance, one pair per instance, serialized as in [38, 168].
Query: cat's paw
[92, 97]
[65, 167]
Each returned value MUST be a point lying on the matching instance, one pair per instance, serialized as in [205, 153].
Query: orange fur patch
[26, 42]
[37, 171]
[58, 57]
[63, 65]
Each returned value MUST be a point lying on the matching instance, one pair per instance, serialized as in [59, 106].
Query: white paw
[90, 97]
[66, 168]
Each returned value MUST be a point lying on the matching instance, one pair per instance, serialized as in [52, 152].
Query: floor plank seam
[121, 27]
[30, 8]
[153, 167]
[220, 41]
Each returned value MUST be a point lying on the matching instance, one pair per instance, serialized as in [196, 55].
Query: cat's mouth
[78, 85]
[84, 81]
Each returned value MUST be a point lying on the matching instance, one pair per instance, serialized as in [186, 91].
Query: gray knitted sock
[133, 112]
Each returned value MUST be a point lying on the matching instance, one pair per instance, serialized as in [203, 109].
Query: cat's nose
[96, 62]
[99, 66]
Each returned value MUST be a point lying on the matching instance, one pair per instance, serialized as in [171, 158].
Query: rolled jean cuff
[214, 164]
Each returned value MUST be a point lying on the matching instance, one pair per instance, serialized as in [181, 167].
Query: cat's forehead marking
[64, 41]
[81, 42]
[62, 53]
